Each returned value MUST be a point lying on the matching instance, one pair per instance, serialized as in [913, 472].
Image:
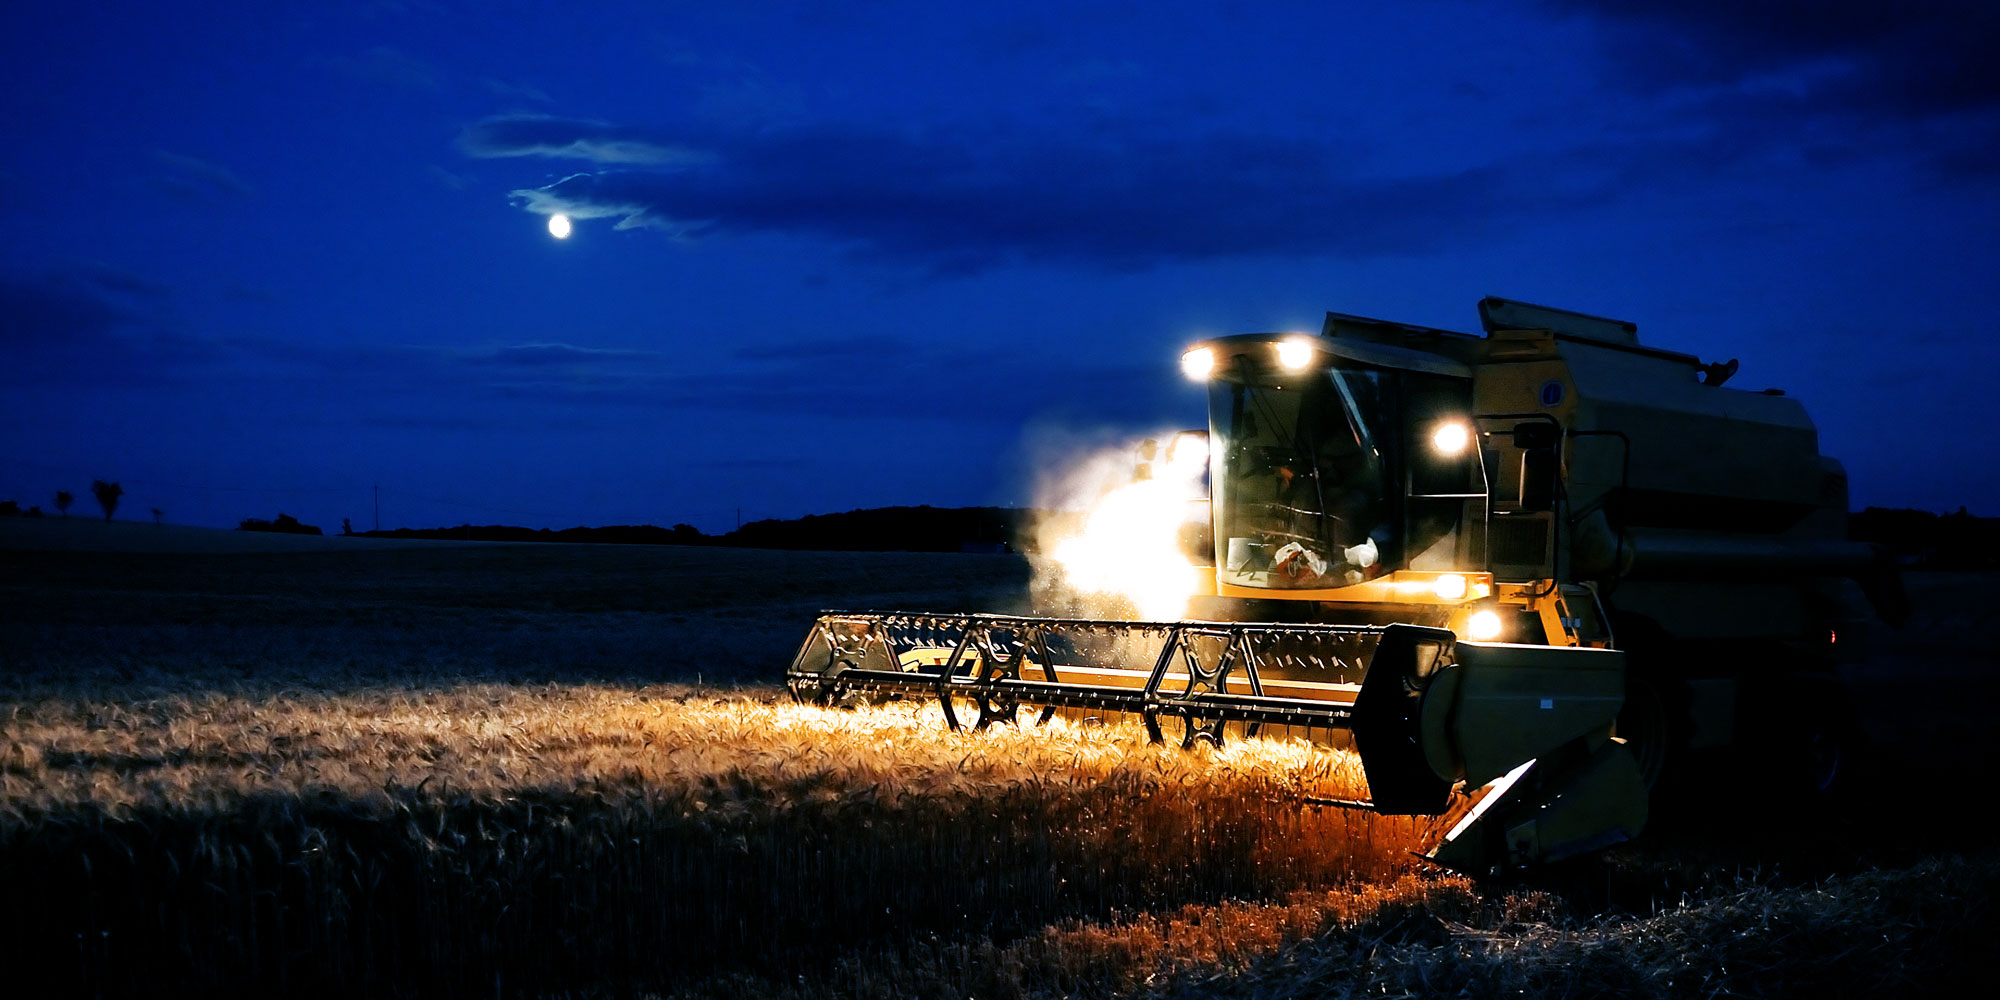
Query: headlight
[1483, 625]
[1451, 437]
[1196, 364]
[1189, 452]
[1450, 586]
[1295, 355]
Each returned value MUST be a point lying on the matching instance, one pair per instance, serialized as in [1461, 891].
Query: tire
[1653, 725]
[1810, 736]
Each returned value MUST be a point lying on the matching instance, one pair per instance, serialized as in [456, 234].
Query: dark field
[350, 608]
[453, 769]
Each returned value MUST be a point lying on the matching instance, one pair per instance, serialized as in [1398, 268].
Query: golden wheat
[656, 825]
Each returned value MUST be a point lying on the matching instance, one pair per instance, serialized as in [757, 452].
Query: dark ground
[428, 610]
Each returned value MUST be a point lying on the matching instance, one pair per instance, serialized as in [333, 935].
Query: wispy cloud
[962, 199]
[88, 324]
[93, 326]
[1832, 79]
[1918, 57]
[574, 139]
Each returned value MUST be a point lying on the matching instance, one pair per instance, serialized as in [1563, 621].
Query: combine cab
[1520, 574]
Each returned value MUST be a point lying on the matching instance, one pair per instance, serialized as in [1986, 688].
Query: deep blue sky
[828, 258]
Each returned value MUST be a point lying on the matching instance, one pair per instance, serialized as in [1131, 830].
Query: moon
[559, 226]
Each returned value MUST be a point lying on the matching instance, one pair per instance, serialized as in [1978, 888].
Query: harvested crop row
[1918, 931]
[439, 838]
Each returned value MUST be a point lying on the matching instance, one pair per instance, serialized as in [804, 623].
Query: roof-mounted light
[1198, 363]
[1295, 354]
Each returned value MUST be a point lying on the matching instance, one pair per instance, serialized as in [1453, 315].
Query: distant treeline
[1923, 540]
[882, 529]
[284, 524]
[1919, 539]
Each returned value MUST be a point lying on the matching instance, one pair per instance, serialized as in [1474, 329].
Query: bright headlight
[1483, 625]
[1295, 354]
[1451, 437]
[1189, 451]
[1450, 586]
[1196, 364]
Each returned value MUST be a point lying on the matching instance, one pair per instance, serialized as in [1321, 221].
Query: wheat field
[486, 770]
[442, 769]
[653, 830]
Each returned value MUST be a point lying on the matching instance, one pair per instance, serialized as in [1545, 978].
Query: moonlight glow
[559, 226]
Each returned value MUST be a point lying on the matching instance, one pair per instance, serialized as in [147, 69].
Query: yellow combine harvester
[1520, 574]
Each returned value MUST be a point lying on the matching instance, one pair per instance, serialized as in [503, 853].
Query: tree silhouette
[107, 495]
[63, 500]
[157, 515]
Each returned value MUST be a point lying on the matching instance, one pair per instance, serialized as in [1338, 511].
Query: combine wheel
[1827, 738]
[1654, 726]
[1654, 723]
[1808, 742]
[1825, 761]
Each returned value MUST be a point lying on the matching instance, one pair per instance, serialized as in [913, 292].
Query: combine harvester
[1519, 574]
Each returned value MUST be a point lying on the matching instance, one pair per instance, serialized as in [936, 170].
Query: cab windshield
[1325, 479]
[1299, 480]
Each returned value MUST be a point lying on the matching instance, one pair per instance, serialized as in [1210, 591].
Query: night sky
[830, 256]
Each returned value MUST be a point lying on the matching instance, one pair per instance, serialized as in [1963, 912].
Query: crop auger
[1521, 575]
